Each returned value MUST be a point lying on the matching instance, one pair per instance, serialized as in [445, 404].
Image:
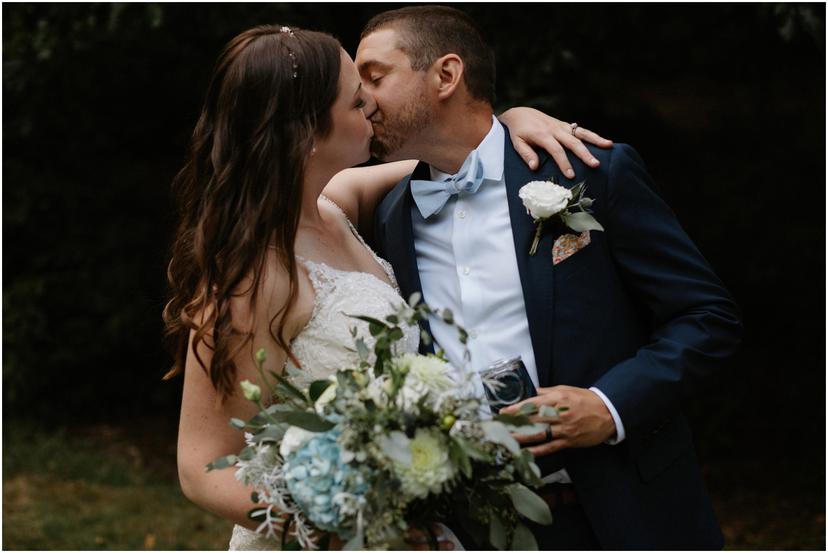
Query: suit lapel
[536, 272]
[399, 239]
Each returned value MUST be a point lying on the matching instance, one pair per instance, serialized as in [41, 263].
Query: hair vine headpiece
[290, 33]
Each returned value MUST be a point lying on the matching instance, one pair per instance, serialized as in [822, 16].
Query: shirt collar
[491, 154]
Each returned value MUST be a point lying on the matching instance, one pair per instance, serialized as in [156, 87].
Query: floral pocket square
[568, 244]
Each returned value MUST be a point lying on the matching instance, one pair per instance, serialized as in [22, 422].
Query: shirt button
[473, 333]
[462, 213]
[466, 270]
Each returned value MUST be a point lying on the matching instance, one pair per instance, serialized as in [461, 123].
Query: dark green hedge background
[726, 104]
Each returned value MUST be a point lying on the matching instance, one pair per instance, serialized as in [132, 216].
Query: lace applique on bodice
[325, 343]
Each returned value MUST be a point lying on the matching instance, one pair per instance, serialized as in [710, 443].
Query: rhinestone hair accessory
[289, 32]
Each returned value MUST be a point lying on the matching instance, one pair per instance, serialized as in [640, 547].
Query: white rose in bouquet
[425, 375]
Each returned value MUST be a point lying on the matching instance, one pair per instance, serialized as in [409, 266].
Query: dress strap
[380, 261]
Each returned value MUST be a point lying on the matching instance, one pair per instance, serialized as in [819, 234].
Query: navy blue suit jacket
[638, 313]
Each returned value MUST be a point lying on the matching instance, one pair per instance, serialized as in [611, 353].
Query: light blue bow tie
[431, 196]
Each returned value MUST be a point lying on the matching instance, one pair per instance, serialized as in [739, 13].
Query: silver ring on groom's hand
[574, 127]
[549, 434]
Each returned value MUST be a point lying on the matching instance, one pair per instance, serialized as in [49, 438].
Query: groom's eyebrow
[372, 64]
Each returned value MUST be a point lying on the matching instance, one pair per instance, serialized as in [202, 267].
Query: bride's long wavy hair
[240, 190]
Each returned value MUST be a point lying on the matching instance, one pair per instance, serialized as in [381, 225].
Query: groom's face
[404, 107]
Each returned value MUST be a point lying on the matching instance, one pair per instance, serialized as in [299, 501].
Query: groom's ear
[447, 75]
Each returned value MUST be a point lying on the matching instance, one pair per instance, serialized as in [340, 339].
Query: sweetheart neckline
[317, 304]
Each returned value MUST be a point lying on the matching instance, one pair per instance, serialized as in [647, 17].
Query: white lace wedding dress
[322, 347]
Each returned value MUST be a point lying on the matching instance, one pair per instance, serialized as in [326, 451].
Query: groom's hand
[583, 420]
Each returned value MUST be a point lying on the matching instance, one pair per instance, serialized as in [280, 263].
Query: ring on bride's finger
[574, 127]
[549, 434]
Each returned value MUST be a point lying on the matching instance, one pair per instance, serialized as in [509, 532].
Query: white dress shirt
[467, 263]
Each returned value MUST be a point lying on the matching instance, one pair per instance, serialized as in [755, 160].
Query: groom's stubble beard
[395, 130]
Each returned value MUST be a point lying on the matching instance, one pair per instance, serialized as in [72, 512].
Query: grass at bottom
[99, 488]
[49, 512]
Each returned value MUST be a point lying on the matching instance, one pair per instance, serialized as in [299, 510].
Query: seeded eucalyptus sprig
[386, 333]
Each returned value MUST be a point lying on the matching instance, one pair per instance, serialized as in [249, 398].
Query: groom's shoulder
[614, 162]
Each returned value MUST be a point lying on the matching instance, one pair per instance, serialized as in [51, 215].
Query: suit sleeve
[695, 322]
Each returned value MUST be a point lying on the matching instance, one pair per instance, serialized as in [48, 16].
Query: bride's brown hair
[240, 190]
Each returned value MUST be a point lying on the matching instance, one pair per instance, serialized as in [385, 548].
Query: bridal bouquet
[397, 442]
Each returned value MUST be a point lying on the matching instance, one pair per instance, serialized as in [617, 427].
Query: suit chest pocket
[577, 263]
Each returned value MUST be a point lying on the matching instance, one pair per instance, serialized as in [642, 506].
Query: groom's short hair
[428, 32]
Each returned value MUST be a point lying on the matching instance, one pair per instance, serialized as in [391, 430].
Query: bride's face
[349, 141]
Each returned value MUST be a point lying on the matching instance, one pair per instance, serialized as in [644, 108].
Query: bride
[267, 253]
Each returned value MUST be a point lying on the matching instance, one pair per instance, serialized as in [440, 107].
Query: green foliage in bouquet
[399, 440]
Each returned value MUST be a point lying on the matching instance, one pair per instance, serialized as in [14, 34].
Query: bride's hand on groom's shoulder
[529, 127]
[582, 420]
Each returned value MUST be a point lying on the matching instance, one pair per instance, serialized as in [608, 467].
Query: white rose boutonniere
[545, 200]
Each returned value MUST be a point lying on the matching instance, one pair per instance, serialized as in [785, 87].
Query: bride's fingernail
[594, 162]
[570, 173]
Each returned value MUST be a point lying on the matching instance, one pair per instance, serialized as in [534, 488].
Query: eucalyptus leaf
[223, 462]
[531, 428]
[548, 411]
[357, 543]
[237, 423]
[460, 458]
[497, 432]
[414, 299]
[362, 349]
[497, 533]
[246, 454]
[369, 320]
[528, 470]
[528, 409]
[270, 433]
[471, 450]
[512, 420]
[581, 221]
[293, 372]
[317, 387]
[529, 504]
[523, 539]
[305, 420]
[288, 388]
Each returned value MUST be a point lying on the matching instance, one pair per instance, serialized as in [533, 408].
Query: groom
[619, 325]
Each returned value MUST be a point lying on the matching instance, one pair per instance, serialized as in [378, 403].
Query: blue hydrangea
[324, 487]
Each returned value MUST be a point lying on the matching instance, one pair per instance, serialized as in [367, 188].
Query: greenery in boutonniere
[545, 200]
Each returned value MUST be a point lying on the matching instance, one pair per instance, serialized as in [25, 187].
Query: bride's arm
[358, 190]
[204, 431]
